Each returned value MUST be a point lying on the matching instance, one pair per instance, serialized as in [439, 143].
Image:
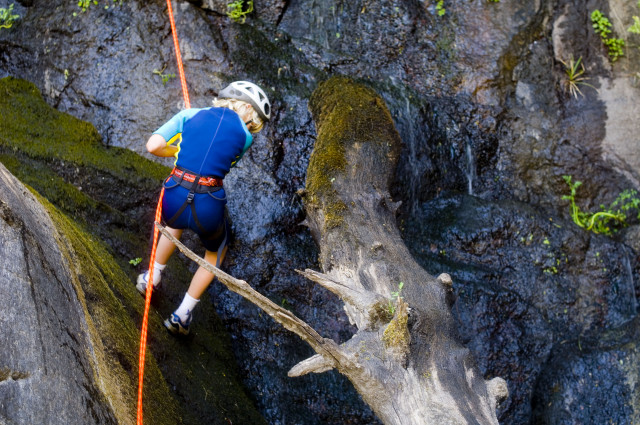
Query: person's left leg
[202, 278]
[181, 318]
[164, 250]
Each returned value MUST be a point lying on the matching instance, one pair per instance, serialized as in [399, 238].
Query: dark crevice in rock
[512, 56]
[283, 11]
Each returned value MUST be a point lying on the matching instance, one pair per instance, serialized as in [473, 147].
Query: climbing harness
[196, 184]
[191, 177]
[147, 304]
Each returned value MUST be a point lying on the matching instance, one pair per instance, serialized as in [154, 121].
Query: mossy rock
[109, 303]
[102, 200]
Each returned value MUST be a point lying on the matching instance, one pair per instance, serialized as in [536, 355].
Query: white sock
[157, 273]
[186, 307]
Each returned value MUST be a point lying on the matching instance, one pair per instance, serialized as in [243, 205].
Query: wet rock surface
[592, 378]
[480, 100]
[45, 361]
[527, 283]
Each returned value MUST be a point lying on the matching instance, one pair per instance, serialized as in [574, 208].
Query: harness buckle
[190, 197]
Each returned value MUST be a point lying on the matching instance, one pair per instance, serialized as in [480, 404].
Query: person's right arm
[161, 143]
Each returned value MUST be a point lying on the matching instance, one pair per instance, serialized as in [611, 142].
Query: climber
[209, 142]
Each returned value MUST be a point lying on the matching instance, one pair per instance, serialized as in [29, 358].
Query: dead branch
[327, 348]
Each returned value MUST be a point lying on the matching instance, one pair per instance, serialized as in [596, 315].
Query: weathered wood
[326, 347]
[412, 369]
[366, 305]
[315, 364]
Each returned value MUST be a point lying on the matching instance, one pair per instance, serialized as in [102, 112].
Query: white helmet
[250, 93]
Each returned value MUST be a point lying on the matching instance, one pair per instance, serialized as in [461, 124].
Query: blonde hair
[237, 105]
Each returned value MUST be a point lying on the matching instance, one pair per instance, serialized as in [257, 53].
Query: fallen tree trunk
[405, 360]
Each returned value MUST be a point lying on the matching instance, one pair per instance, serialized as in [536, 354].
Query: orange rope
[147, 304]
[183, 80]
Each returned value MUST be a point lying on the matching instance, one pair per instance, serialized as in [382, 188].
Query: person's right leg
[202, 277]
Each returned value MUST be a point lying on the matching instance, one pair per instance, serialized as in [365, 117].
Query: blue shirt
[210, 140]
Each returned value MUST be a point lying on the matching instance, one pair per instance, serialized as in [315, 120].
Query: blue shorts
[210, 221]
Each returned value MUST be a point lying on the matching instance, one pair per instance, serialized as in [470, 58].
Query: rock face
[67, 283]
[610, 361]
[479, 97]
[48, 357]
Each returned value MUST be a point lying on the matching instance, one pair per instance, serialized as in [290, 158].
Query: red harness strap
[204, 181]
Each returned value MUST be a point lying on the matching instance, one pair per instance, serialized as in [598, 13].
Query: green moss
[109, 299]
[346, 114]
[396, 335]
[38, 131]
[52, 187]
[64, 159]
[334, 214]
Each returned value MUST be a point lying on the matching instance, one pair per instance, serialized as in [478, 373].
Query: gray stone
[48, 370]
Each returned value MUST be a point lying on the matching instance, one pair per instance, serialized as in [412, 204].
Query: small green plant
[635, 28]
[440, 8]
[238, 11]
[7, 17]
[615, 46]
[165, 77]
[135, 261]
[86, 4]
[609, 219]
[395, 296]
[602, 26]
[574, 70]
